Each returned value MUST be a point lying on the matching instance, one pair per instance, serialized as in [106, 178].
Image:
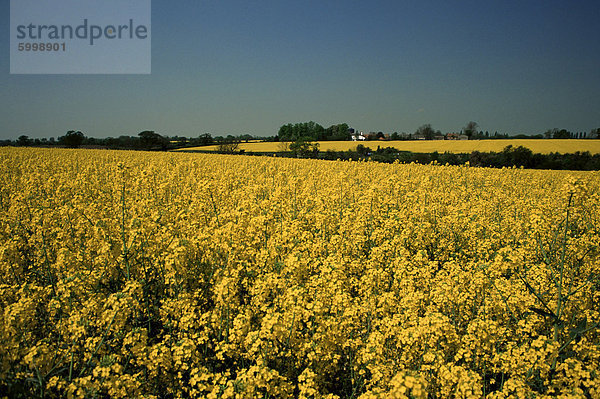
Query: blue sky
[237, 67]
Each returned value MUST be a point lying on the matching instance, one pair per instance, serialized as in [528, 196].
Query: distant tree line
[302, 133]
[147, 140]
[509, 157]
[311, 131]
[471, 132]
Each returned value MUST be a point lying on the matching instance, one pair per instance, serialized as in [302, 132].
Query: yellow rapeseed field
[428, 146]
[167, 275]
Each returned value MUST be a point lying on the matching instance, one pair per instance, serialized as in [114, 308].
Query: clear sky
[236, 67]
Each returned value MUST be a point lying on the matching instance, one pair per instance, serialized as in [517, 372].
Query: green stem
[99, 344]
[559, 302]
[123, 236]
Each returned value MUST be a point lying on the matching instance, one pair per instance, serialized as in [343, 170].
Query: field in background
[428, 146]
[145, 274]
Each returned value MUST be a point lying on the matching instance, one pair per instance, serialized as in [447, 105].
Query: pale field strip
[427, 146]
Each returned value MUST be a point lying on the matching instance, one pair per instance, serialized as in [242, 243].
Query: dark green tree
[304, 147]
[561, 134]
[339, 132]
[73, 139]
[312, 130]
[204, 139]
[471, 130]
[24, 141]
[362, 150]
[549, 133]
[229, 145]
[153, 141]
[426, 131]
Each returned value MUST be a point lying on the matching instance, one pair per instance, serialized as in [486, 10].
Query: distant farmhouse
[372, 136]
[456, 136]
[380, 136]
[358, 136]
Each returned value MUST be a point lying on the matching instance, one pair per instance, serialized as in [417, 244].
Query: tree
[283, 146]
[595, 133]
[73, 139]
[339, 132]
[517, 156]
[304, 147]
[426, 131]
[229, 145]
[24, 141]
[246, 137]
[204, 139]
[312, 130]
[561, 134]
[362, 150]
[286, 132]
[557, 134]
[153, 141]
[471, 129]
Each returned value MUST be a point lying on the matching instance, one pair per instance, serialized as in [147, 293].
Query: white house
[358, 137]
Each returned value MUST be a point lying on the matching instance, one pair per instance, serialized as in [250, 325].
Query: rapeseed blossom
[130, 274]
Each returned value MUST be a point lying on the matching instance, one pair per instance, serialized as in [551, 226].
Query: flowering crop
[564, 146]
[158, 275]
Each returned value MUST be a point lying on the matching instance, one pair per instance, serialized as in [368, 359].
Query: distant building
[358, 137]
